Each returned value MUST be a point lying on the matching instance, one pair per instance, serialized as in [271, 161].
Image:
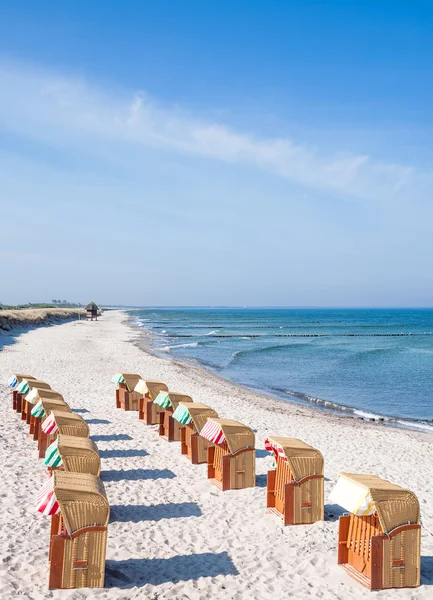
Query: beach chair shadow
[80, 410]
[137, 572]
[137, 474]
[260, 453]
[261, 481]
[111, 438]
[136, 513]
[98, 421]
[119, 453]
[333, 512]
[426, 570]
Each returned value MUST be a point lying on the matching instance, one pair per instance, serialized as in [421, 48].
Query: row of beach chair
[379, 539]
[73, 495]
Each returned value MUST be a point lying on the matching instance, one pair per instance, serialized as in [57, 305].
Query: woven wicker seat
[73, 454]
[78, 538]
[232, 457]
[193, 416]
[126, 397]
[169, 428]
[295, 489]
[149, 390]
[379, 542]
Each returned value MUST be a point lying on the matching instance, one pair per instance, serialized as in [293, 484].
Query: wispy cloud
[66, 111]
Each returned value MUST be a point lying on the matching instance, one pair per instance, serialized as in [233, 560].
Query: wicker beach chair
[79, 510]
[232, 459]
[295, 490]
[168, 402]
[379, 543]
[193, 417]
[126, 397]
[40, 411]
[149, 390]
[14, 383]
[58, 423]
[73, 454]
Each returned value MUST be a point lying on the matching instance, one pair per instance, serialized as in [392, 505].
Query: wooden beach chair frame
[192, 444]
[78, 537]
[148, 411]
[49, 398]
[382, 550]
[21, 402]
[295, 488]
[169, 428]
[232, 463]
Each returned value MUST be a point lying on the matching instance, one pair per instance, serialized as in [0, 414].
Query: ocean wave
[169, 348]
[213, 332]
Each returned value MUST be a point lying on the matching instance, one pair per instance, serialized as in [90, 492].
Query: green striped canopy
[23, 387]
[163, 400]
[38, 410]
[182, 415]
[52, 456]
[117, 378]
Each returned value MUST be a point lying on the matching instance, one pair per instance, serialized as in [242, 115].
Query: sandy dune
[173, 534]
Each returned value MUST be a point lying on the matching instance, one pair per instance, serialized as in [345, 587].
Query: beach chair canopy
[170, 399]
[364, 495]
[37, 394]
[92, 306]
[17, 378]
[65, 422]
[66, 448]
[152, 388]
[129, 379]
[236, 435]
[304, 460]
[45, 406]
[195, 413]
[79, 497]
[26, 385]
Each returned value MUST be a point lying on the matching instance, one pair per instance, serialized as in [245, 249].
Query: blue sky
[237, 153]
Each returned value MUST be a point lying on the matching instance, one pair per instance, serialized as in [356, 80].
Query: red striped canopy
[276, 449]
[49, 425]
[213, 432]
[46, 502]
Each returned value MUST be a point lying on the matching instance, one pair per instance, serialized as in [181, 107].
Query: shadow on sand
[114, 437]
[137, 572]
[80, 410]
[98, 421]
[136, 513]
[333, 512]
[137, 474]
[119, 453]
[426, 570]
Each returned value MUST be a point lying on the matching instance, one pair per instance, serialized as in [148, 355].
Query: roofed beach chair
[27, 404]
[73, 454]
[79, 510]
[126, 397]
[379, 542]
[14, 383]
[193, 417]
[295, 489]
[169, 428]
[232, 458]
[58, 423]
[23, 389]
[149, 390]
[42, 408]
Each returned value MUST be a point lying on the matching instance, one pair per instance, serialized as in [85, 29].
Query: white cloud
[67, 112]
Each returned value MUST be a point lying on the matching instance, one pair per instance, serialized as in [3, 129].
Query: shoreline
[339, 411]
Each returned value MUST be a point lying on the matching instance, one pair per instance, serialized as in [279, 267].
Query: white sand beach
[172, 533]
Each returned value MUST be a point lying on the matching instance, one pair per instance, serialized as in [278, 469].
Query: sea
[371, 363]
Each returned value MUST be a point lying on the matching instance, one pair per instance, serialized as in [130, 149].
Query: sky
[217, 153]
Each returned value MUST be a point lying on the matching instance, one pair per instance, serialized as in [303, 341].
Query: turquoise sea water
[370, 362]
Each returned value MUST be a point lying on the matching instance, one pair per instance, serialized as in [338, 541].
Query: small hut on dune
[92, 311]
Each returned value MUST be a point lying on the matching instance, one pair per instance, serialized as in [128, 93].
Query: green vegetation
[53, 304]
